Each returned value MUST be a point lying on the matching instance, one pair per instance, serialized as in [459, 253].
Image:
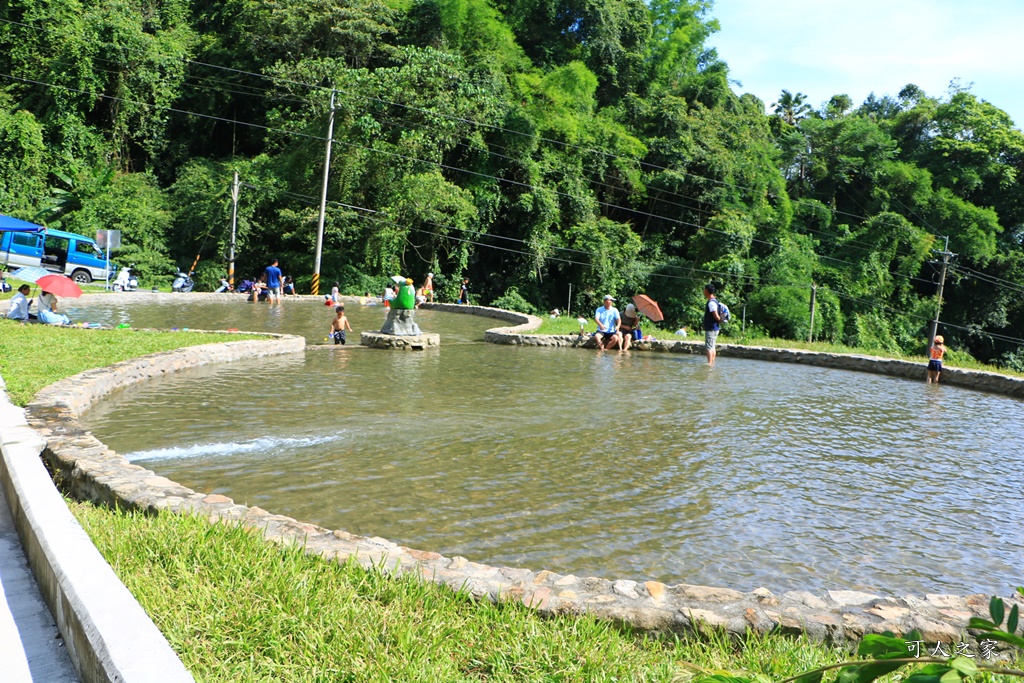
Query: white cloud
[822, 48]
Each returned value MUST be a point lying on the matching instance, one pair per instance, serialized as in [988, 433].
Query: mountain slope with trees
[526, 144]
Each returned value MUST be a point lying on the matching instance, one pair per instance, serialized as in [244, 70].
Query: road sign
[108, 239]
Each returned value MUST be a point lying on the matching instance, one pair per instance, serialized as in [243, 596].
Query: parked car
[76, 256]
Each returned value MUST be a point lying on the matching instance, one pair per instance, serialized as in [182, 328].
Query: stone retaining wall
[379, 340]
[91, 471]
[106, 634]
[146, 295]
[523, 321]
[972, 379]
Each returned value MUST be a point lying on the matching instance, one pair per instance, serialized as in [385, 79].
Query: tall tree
[791, 108]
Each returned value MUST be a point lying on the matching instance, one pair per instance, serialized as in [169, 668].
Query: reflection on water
[307, 318]
[646, 466]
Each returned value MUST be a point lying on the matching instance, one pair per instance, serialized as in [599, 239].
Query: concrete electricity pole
[315, 288]
[814, 300]
[946, 256]
[234, 230]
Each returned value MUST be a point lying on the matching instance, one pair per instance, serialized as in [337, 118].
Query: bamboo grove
[529, 145]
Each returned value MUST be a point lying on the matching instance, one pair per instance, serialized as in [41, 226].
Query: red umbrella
[59, 285]
[648, 307]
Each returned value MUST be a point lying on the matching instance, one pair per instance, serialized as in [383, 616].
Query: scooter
[183, 283]
[126, 281]
[225, 286]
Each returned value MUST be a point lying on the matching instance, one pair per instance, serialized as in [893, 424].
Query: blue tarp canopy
[8, 224]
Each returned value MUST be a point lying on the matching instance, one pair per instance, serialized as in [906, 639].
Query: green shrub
[512, 300]
[782, 311]
[208, 274]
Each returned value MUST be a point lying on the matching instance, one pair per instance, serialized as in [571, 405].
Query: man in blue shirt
[274, 279]
[710, 323]
[608, 320]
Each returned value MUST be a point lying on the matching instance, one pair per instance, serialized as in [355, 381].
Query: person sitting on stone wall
[608, 319]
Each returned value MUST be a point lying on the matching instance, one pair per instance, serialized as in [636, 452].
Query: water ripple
[210, 450]
[639, 466]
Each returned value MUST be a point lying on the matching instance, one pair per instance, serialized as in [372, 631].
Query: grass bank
[732, 335]
[34, 356]
[237, 608]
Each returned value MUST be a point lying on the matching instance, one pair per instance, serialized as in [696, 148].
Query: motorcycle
[225, 286]
[126, 280]
[183, 283]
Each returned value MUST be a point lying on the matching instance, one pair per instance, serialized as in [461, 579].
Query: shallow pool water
[642, 466]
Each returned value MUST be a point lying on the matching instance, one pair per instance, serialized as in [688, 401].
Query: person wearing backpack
[712, 321]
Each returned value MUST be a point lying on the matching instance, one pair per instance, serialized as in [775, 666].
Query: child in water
[935, 364]
[339, 325]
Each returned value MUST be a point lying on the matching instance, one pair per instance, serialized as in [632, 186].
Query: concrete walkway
[31, 649]
[96, 632]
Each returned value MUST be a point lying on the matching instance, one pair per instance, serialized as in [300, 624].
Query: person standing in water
[339, 326]
[710, 323]
[274, 280]
[428, 287]
[936, 352]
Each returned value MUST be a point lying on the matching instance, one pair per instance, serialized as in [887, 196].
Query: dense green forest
[529, 145]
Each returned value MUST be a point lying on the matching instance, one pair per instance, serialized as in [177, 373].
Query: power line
[164, 108]
[363, 213]
[923, 318]
[435, 163]
[451, 168]
[435, 113]
[642, 163]
[863, 246]
[971, 330]
[423, 110]
[873, 304]
[590, 175]
[455, 168]
[990, 279]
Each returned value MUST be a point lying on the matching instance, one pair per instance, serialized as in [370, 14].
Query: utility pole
[946, 255]
[234, 230]
[814, 299]
[315, 288]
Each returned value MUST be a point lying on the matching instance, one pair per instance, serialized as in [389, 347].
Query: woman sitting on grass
[47, 305]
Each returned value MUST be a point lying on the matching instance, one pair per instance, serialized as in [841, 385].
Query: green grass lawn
[238, 608]
[33, 356]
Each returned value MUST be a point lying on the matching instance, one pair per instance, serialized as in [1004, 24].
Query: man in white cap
[608, 319]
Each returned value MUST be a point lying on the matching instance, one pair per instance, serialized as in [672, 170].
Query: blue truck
[26, 244]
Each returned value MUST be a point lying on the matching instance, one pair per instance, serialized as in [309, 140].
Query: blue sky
[826, 47]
